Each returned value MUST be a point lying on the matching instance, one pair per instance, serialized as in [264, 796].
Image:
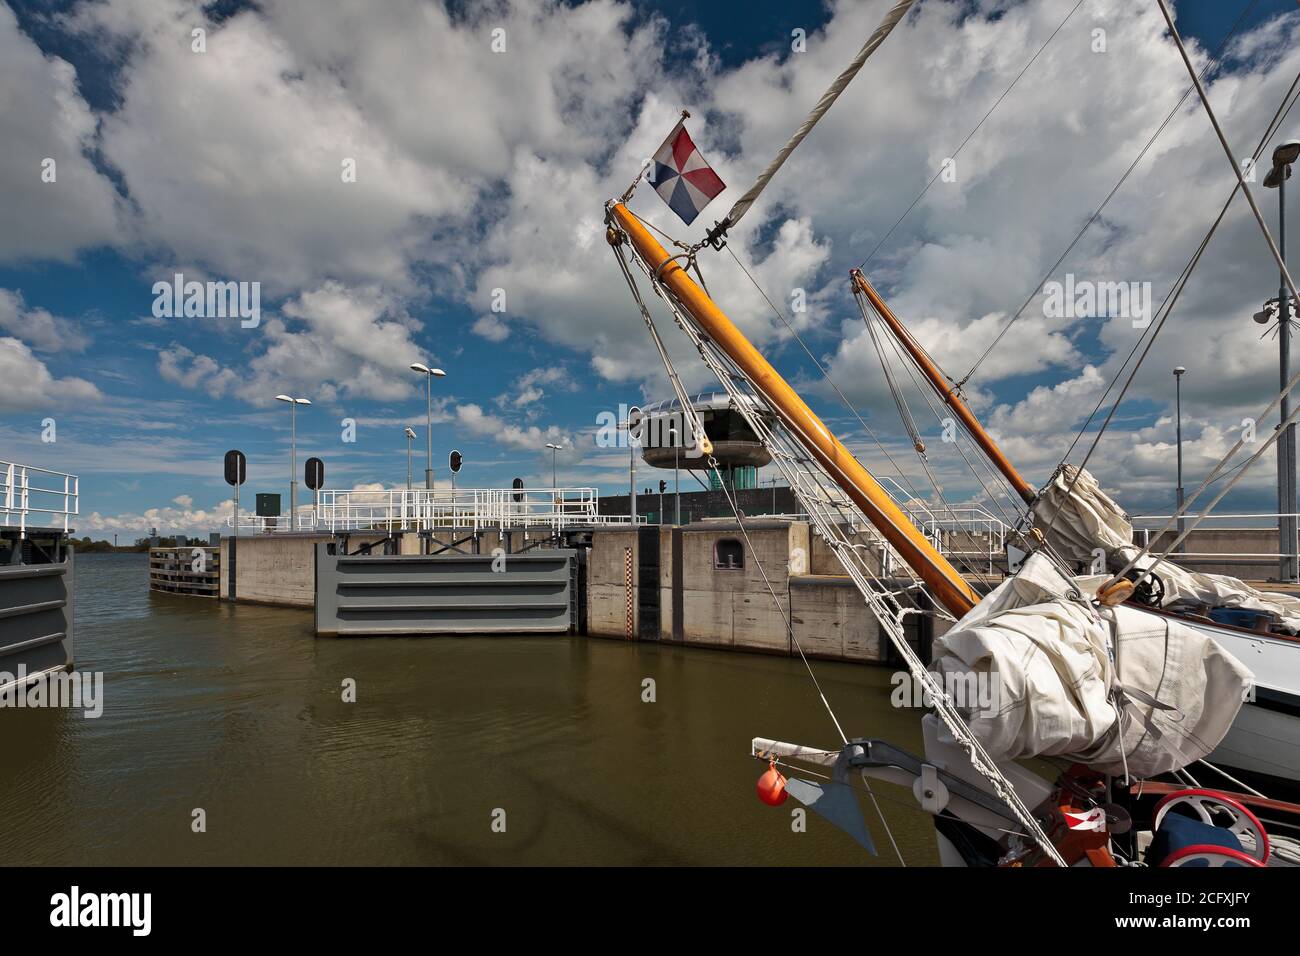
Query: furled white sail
[1113, 688]
[1077, 517]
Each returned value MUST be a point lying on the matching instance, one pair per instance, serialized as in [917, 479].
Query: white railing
[1146, 526]
[262, 523]
[423, 509]
[33, 497]
[953, 530]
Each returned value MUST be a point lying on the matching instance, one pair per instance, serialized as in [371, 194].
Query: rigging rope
[1105, 202]
[741, 206]
[996, 104]
[904, 412]
[911, 488]
[1227, 149]
[1167, 309]
[740, 521]
[885, 611]
[1283, 110]
[1182, 535]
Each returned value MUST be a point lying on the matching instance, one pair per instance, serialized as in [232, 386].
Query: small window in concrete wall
[728, 555]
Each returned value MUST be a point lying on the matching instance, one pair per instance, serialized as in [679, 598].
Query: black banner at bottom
[334, 905]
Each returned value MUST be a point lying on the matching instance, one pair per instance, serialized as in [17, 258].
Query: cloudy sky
[485, 138]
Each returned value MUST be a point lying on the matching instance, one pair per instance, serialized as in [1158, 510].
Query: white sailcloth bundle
[1165, 698]
[1077, 517]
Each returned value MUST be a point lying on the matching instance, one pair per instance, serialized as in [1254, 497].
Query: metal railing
[260, 524]
[970, 531]
[1146, 526]
[27, 493]
[423, 509]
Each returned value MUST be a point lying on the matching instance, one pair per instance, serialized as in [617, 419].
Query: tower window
[728, 555]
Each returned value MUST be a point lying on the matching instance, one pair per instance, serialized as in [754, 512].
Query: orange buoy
[771, 786]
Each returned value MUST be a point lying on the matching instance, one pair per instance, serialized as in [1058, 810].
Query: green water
[238, 711]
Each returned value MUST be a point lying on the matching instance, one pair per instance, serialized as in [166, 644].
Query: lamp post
[428, 374]
[677, 473]
[293, 455]
[554, 448]
[630, 424]
[410, 437]
[1283, 157]
[1178, 404]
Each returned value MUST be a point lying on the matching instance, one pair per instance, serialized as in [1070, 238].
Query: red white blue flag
[681, 177]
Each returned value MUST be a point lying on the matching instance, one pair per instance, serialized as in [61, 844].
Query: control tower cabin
[665, 435]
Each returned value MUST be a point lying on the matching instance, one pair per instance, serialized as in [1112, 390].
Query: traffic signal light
[663, 486]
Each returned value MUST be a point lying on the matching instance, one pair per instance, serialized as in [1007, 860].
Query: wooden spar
[944, 390]
[932, 567]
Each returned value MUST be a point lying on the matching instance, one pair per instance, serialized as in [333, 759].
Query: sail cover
[1077, 518]
[1113, 688]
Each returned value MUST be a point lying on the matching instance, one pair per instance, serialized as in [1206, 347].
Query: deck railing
[32, 497]
[423, 509]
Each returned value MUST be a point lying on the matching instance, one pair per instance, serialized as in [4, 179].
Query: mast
[948, 586]
[945, 391]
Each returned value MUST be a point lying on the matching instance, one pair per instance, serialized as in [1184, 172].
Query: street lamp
[630, 424]
[428, 374]
[677, 475]
[554, 448]
[293, 455]
[1178, 404]
[410, 437]
[1283, 157]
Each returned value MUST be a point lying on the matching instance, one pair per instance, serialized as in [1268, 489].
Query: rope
[826, 375]
[883, 822]
[688, 410]
[900, 402]
[1017, 527]
[832, 93]
[911, 488]
[1241, 473]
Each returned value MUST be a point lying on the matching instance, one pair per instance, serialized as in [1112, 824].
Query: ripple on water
[238, 710]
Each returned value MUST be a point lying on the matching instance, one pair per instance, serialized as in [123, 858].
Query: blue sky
[480, 171]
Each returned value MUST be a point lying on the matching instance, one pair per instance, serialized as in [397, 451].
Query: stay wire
[1279, 116]
[938, 492]
[1109, 196]
[1167, 307]
[970, 135]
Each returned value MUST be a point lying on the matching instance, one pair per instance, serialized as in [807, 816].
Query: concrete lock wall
[730, 607]
[702, 604]
[277, 568]
[822, 559]
[831, 619]
[608, 593]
